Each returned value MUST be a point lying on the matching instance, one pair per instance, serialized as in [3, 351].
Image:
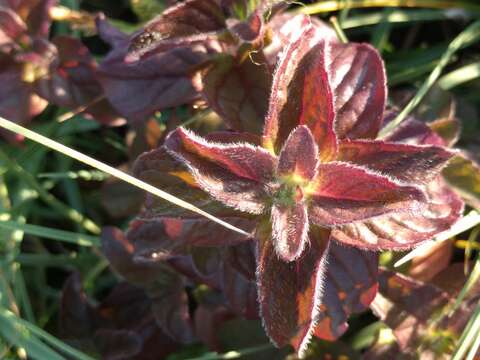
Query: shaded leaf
[72, 82]
[35, 14]
[238, 90]
[350, 285]
[166, 76]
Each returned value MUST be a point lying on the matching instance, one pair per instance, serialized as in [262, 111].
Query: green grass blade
[469, 284]
[459, 76]
[381, 32]
[470, 334]
[21, 338]
[397, 17]
[6, 124]
[54, 234]
[31, 332]
[466, 37]
[48, 198]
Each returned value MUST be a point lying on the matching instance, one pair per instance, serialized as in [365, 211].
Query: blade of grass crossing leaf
[469, 335]
[467, 222]
[470, 35]
[114, 172]
[328, 6]
[459, 76]
[469, 284]
[54, 234]
[29, 329]
[474, 349]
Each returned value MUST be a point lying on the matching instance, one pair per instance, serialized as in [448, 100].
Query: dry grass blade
[74, 154]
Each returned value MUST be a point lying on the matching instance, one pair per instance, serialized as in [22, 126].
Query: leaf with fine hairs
[289, 291]
[236, 174]
[302, 95]
[344, 193]
[407, 163]
[405, 230]
[358, 81]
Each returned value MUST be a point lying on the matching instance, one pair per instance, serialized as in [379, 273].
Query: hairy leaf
[299, 155]
[233, 174]
[404, 230]
[358, 81]
[301, 95]
[350, 285]
[289, 291]
[344, 193]
[290, 230]
[408, 163]
[178, 25]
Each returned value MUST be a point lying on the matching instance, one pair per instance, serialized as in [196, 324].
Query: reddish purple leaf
[239, 285]
[285, 27]
[73, 83]
[290, 230]
[76, 312]
[18, 103]
[181, 24]
[11, 28]
[409, 163]
[350, 285]
[344, 193]
[412, 131]
[358, 81]
[289, 292]
[233, 174]
[405, 230]
[250, 30]
[413, 309]
[34, 13]
[299, 155]
[119, 251]
[238, 90]
[302, 95]
[167, 76]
